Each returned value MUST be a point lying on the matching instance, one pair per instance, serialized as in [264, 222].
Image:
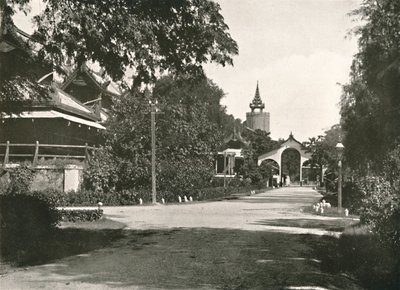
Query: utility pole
[340, 187]
[153, 152]
[224, 169]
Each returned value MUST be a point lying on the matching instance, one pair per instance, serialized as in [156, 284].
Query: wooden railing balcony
[44, 151]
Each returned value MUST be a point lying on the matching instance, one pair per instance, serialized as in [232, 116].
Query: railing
[80, 152]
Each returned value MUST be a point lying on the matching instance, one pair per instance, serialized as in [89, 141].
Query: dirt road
[270, 211]
[263, 241]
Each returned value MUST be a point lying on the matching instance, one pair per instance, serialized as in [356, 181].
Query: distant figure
[163, 201]
[186, 199]
[190, 199]
[140, 201]
[179, 198]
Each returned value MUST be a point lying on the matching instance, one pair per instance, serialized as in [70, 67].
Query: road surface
[264, 241]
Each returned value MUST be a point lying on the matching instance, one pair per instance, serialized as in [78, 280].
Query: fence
[43, 151]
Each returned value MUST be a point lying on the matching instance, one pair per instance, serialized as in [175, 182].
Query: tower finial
[257, 102]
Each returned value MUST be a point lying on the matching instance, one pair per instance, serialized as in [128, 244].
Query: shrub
[381, 209]
[102, 174]
[27, 222]
[352, 196]
[20, 179]
[81, 215]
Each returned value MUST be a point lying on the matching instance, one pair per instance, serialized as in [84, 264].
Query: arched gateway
[276, 155]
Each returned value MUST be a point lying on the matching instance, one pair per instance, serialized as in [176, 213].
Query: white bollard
[163, 201]
[191, 199]
[346, 212]
[140, 201]
[179, 198]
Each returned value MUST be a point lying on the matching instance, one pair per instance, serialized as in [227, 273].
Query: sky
[298, 50]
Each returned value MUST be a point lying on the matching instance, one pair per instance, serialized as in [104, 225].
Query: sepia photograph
[200, 144]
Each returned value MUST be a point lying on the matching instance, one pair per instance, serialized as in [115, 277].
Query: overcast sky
[296, 49]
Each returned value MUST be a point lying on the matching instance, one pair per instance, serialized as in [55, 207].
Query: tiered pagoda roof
[257, 102]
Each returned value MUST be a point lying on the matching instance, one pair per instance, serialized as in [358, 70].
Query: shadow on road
[188, 258]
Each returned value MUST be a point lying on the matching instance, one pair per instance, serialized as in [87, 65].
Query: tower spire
[257, 102]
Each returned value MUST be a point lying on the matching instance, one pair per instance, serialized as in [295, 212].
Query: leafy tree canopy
[187, 139]
[322, 148]
[370, 105]
[144, 36]
[370, 114]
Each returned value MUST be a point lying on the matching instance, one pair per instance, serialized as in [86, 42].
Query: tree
[370, 105]
[259, 142]
[370, 110]
[144, 37]
[322, 149]
[187, 140]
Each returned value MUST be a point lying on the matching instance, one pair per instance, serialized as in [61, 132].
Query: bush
[352, 196]
[126, 197]
[381, 209]
[360, 254]
[27, 222]
[81, 215]
[20, 179]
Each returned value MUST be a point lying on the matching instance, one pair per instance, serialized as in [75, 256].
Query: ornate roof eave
[86, 72]
[291, 137]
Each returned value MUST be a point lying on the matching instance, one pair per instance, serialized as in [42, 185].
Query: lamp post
[153, 112]
[339, 149]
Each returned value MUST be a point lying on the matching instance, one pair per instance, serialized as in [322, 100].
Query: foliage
[18, 93]
[322, 149]
[370, 102]
[381, 209]
[26, 223]
[259, 142]
[148, 36]
[360, 255]
[370, 110]
[81, 215]
[89, 198]
[187, 136]
[250, 169]
[102, 174]
[20, 180]
[290, 163]
[173, 178]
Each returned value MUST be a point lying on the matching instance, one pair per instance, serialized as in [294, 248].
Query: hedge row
[80, 215]
[89, 198]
